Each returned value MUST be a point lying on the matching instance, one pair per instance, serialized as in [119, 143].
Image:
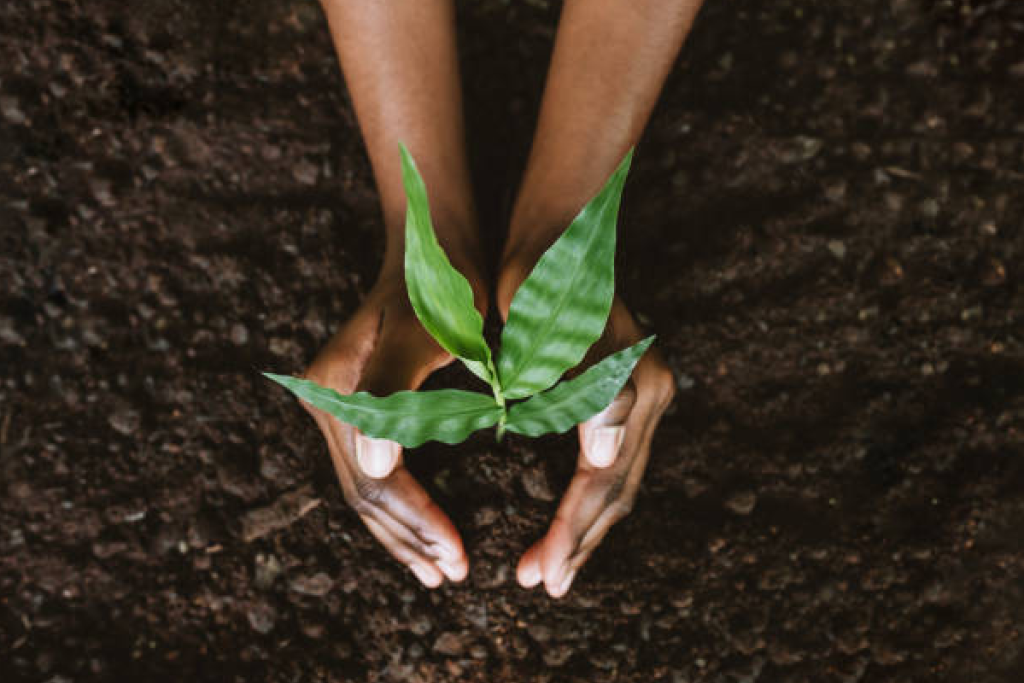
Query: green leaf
[440, 295]
[561, 309]
[578, 399]
[408, 417]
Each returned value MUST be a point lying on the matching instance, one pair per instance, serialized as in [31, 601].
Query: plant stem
[499, 397]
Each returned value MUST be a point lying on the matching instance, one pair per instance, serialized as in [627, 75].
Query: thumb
[377, 458]
[603, 434]
[402, 359]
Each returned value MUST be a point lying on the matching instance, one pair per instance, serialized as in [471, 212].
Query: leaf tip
[409, 168]
[626, 163]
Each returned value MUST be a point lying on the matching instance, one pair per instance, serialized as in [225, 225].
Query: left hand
[614, 447]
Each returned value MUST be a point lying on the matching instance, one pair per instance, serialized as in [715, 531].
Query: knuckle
[361, 507]
[368, 494]
[622, 507]
[616, 490]
[627, 396]
[662, 384]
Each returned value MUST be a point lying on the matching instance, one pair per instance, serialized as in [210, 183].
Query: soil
[823, 227]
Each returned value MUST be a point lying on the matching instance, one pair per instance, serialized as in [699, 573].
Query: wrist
[456, 232]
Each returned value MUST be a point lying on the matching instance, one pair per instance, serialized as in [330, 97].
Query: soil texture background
[823, 226]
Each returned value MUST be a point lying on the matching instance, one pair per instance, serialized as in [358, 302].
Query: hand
[384, 349]
[614, 447]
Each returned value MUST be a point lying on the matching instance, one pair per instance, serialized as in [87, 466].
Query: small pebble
[314, 630]
[421, 625]
[535, 481]
[11, 111]
[9, 335]
[742, 502]
[262, 618]
[124, 421]
[929, 208]
[268, 568]
[450, 643]
[693, 487]
[305, 172]
[539, 632]
[317, 585]
[558, 654]
[486, 516]
[836, 192]
[239, 334]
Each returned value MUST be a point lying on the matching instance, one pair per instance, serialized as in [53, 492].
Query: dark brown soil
[823, 226]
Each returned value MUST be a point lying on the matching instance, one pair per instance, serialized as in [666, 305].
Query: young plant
[558, 312]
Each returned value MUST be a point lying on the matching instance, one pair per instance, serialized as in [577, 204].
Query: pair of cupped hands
[383, 349]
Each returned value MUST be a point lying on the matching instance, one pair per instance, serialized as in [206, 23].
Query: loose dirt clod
[282, 513]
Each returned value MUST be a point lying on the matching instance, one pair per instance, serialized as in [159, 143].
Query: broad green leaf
[440, 295]
[576, 400]
[561, 309]
[408, 417]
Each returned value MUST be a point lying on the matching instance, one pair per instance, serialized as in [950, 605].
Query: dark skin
[399, 60]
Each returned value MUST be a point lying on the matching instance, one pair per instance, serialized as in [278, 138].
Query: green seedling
[558, 312]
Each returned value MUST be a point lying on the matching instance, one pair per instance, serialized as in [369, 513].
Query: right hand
[383, 349]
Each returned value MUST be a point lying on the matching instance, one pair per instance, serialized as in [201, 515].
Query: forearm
[400, 65]
[610, 61]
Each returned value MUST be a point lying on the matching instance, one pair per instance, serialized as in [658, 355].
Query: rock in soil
[282, 513]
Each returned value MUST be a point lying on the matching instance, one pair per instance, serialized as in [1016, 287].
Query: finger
[444, 556]
[409, 505]
[593, 501]
[579, 507]
[399, 506]
[528, 572]
[406, 511]
[556, 547]
[547, 560]
[424, 569]
[619, 492]
[593, 536]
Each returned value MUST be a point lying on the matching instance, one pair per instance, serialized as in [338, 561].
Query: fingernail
[376, 457]
[563, 587]
[605, 443]
[530, 576]
[424, 575]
